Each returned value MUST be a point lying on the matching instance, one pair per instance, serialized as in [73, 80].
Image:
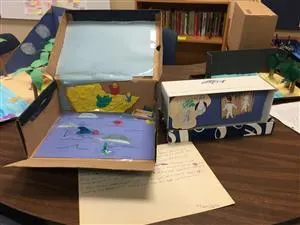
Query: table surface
[262, 175]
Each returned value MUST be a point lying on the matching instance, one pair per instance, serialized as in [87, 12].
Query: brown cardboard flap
[158, 52]
[59, 41]
[137, 165]
[34, 131]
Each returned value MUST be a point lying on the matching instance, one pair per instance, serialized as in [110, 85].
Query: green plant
[34, 70]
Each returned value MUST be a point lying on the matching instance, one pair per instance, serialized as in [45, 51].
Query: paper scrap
[2, 40]
[288, 114]
[37, 78]
[182, 184]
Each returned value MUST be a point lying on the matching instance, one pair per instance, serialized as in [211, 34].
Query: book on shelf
[194, 23]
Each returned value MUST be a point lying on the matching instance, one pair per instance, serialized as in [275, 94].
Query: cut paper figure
[245, 103]
[237, 104]
[185, 110]
[114, 88]
[229, 106]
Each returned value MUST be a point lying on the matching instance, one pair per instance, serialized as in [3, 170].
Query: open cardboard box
[142, 88]
[39, 120]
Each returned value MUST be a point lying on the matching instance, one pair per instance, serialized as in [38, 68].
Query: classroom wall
[20, 28]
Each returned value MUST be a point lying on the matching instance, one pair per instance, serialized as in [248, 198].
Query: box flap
[138, 165]
[216, 85]
[251, 8]
[38, 118]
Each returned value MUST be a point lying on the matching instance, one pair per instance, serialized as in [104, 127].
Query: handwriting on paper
[179, 167]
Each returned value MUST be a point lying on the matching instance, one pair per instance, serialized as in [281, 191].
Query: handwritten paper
[182, 184]
[289, 114]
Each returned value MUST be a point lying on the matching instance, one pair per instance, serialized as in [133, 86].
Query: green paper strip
[45, 57]
[52, 40]
[24, 69]
[37, 78]
[38, 63]
[48, 47]
[2, 40]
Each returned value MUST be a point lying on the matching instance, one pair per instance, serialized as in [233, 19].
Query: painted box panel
[219, 102]
[236, 131]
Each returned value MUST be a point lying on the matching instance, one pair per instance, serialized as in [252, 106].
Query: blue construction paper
[96, 51]
[109, 136]
[11, 105]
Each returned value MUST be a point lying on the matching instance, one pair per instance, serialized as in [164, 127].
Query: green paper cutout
[48, 47]
[37, 78]
[52, 40]
[24, 69]
[2, 40]
[45, 57]
[38, 63]
[103, 101]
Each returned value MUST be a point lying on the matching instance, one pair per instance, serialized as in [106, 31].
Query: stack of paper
[182, 184]
[289, 114]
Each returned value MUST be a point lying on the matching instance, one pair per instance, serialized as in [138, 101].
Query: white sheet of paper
[182, 184]
[288, 113]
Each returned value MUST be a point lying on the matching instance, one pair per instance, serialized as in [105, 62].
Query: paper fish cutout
[117, 138]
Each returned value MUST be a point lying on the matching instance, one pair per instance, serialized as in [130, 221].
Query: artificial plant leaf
[48, 47]
[272, 61]
[45, 57]
[2, 40]
[38, 63]
[52, 40]
[24, 69]
[37, 78]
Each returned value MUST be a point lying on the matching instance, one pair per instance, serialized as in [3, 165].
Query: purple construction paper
[109, 136]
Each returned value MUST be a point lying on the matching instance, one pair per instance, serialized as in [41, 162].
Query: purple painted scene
[99, 136]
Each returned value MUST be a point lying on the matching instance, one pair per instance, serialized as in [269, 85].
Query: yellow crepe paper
[83, 99]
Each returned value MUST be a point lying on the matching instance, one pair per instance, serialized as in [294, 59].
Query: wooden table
[262, 175]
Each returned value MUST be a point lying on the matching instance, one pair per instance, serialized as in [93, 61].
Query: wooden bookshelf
[192, 43]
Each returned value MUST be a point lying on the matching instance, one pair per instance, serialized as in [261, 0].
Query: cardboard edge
[59, 40]
[134, 165]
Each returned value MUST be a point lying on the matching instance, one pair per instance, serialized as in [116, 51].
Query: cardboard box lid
[251, 8]
[110, 15]
[216, 85]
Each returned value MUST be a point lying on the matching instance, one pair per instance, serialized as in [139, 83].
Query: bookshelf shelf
[201, 25]
[200, 39]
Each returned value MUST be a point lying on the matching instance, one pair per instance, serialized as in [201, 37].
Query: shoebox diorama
[278, 67]
[217, 108]
[100, 111]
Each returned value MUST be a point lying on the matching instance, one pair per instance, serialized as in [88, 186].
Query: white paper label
[88, 115]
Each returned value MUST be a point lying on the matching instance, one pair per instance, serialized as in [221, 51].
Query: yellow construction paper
[83, 99]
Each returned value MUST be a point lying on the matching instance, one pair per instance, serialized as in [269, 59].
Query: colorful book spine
[195, 23]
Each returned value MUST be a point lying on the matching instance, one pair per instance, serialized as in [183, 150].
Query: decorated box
[56, 138]
[107, 60]
[30, 49]
[210, 103]
[222, 132]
